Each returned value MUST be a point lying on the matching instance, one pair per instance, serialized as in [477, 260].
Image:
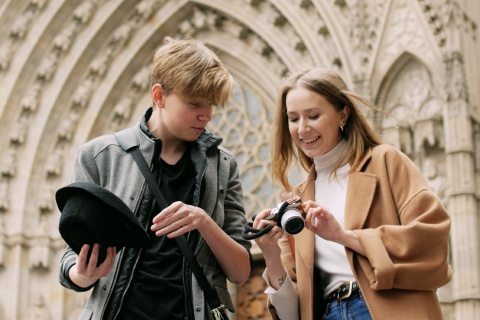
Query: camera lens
[292, 222]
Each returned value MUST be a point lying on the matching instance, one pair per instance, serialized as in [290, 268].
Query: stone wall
[73, 70]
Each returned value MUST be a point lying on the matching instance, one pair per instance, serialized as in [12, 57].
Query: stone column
[462, 200]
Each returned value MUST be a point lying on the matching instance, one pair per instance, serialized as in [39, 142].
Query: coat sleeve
[411, 253]
[286, 244]
[84, 170]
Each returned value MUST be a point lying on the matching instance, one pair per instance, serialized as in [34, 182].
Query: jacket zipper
[136, 260]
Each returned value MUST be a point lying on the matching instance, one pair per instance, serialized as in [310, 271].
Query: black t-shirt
[157, 289]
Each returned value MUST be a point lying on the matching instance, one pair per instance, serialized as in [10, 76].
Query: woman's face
[313, 122]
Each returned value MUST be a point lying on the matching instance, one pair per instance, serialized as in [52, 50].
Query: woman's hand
[268, 243]
[85, 274]
[321, 221]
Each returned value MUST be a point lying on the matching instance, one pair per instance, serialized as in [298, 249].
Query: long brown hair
[358, 133]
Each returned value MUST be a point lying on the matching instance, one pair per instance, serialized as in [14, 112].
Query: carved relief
[416, 113]
[39, 254]
[3, 248]
[38, 309]
[19, 134]
[435, 178]
[30, 102]
[46, 201]
[276, 35]
[8, 166]
[4, 195]
[54, 163]
[19, 30]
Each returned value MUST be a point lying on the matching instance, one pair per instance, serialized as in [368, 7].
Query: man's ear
[158, 95]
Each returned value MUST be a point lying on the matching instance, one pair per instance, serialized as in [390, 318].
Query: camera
[288, 215]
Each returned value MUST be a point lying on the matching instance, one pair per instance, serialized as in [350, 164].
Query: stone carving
[365, 18]
[19, 134]
[38, 309]
[64, 40]
[4, 195]
[3, 248]
[47, 67]
[121, 36]
[437, 181]
[30, 102]
[146, 8]
[82, 95]
[141, 80]
[38, 3]
[404, 121]
[9, 167]
[54, 163]
[84, 11]
[47, 199]
[121, 112]
[39, 254]
[6, 53]
[67, 126]
[20, 26]
[99, 65]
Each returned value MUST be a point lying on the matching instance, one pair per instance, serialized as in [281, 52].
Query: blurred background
[73, 70]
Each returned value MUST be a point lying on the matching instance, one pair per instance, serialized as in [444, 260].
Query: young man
[198, 178]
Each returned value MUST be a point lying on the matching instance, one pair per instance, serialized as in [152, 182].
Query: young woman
[375, 242]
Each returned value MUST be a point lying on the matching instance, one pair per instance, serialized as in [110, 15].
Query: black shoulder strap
[127, 139]
[129, 142]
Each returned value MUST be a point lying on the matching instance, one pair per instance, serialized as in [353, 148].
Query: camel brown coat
[402, 227]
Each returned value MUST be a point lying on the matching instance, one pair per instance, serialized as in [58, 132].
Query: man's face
[177, 118]
[184, 117]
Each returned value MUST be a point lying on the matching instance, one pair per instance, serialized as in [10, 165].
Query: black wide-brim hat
[92, 214]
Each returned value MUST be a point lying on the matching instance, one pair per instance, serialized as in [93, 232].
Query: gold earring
[341, 127]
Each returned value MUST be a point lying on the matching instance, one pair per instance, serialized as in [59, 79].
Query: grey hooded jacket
[96, 162]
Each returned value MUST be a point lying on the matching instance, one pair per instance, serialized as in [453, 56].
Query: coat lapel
[304, 241]
[360, 193]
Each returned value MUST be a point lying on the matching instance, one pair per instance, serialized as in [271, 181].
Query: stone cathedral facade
[73, 70]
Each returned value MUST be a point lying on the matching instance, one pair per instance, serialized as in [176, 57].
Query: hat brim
[92, 214]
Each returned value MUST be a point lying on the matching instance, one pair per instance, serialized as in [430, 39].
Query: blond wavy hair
[358, 133]
[189, 68]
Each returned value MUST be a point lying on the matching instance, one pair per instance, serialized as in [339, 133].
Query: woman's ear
[158, 95]
[344, 114]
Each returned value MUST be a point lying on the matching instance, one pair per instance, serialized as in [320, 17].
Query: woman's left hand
[321, 221]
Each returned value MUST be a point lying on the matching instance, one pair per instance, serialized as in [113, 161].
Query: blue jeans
[352, 308]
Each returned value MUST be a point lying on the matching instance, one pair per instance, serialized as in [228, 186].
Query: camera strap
[250, 233]
[129, 142]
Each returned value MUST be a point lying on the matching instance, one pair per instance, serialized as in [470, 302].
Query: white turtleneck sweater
[330, 192]
[330, 257]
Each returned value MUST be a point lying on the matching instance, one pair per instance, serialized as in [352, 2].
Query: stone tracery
[72, 95]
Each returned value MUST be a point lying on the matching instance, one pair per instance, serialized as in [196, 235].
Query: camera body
[288, 215]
